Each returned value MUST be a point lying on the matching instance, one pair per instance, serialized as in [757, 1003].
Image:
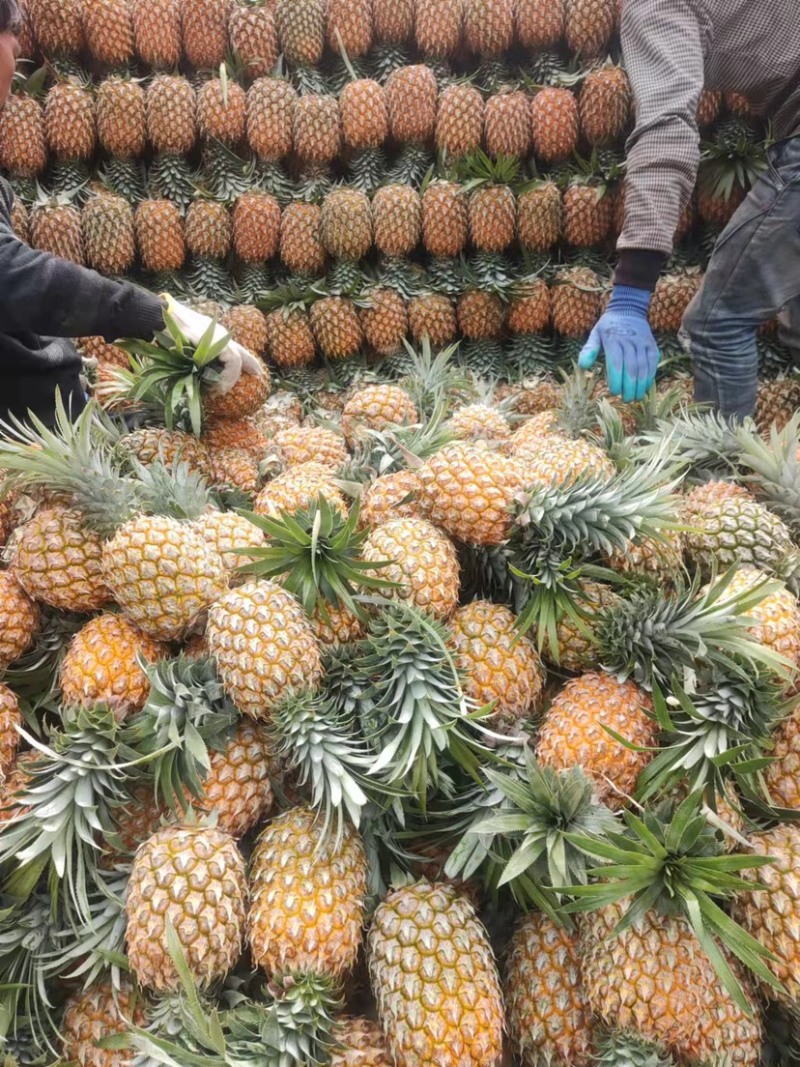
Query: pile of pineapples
[416, 704]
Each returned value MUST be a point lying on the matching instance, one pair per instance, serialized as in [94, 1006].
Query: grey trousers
[753, 275]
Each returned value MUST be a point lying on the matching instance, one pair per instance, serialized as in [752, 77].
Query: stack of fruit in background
[416, 703]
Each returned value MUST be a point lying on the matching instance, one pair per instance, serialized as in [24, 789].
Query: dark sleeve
[42, 294]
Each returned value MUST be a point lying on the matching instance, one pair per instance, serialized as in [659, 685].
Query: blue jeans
[754, 274]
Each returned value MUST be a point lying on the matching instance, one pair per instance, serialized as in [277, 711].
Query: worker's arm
[662, 42]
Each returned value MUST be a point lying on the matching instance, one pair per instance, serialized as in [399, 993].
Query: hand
[235, 358]
[624, 334]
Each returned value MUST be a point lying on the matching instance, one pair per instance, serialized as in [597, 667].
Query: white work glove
[236, 360]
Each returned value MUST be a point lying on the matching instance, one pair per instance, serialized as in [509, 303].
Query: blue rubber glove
[624, 334]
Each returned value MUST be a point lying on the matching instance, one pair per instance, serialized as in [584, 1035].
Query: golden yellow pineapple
[488, 26]
[346, 224]
[349, 26]
[575, 301]
[171, 114]
[555, 124]
[432, 316]
[661, 559]
[101, 665]
[160, 236]
[301, 28]
[297, 488]
[574, 734]
[469, 491]
[58, 26]
[539, 216]
[423, 562]
[157, 33]
[588, 25]
[500, 666]
[445, 219]
[236, 788]
[775, 620]
[23, 148]
[359, 1042]
[109, 234]
[254, 37]
[376, 407]
[205, 32]
[305, 444]
[438, 27]
[256, 226]
[162, 574]
[152, 444]
[194, 878]
[97, 1012]
[58, 561]
[336, 625]
[19, 619]
[396, 219]
[69, 121]
[605, 103]
[108, 26]
[270, 117]
[576, 651]
[317, 128]
[459, 120]
[507, 125]
[336, 326]
[384, 321]
[55, 227]
[290, 340]
[222, 111]
[479, 422]
[540, 23]
[411, 97]
[316, 930]
[10, 719]
[655, 979]
[236, 433]
[783, 774]
[244, 399]
[264, 646]
[224, 532]
[548, 1017]
[435, 980]
[554, 459]
[391, 496]
[301, 248]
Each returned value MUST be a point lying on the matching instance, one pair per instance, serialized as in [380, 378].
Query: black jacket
[43, 301]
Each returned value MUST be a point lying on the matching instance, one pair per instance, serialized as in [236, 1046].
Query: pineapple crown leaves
[670, 861]
[647, 636]
[414, 713]
[91, 952]
[224, 174]
[433, 379]
[774, 466]
[479, 169]
[379, 452]
[186, 714]
[625, 1049]
[723, 728]
[35, 675]
[27, 940]
[317, 553]
[75, 784]
[705, 441]
[528, 837]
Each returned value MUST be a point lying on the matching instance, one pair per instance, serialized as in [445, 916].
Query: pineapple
[270, 117]
[318, 931]
[248, 327]
[555, 124]
[301, 247]
[264, 646]
[548, 1017]
[317, 129]
[222, 110]
[432, 316]
[193, 878]
[336, 327]
[445, 219]
[121, 117]
[20, 222]
[346, 224]
[708, 107]
[393, 20]
[364, 114]
[297, 489]
[108, 28]
[479, 422]
[236, 788]
[385, 321]
[588, 212]
[574, 733]
[438, 27]
[539, 217]
[159, 235]
[423, 563]
[604, 105]
[23, 148]
[411, 98]
[539, 23]
[10, 719]
[171, 114]
[468, 490]
[254, 37]
[247, 396]
[349, 26]
[96, 1012]
[588, 25]
[459, 121]
[152, 444]
[672, 296]
[359, 1042]
[58, 26]
[20, 618]
[507, 125]
[775, 619]
[488, 26]
[376, 407]
[256, 226]
[103, 665]
[492, 205]
[575, 301]
[776, 403]
[783, 774]
[450, 1012]
[237, 469]
[305, 444]
[575, 650]
[70, 125]
[209, 229]
[290, 340]
[529, 310]
[397, 219]
[109, 235]
[225, 532]
[481, 315]
[301, 29]
[390, 496]
[157, 33]
[500, 667]
[55, 226]
[205, 32]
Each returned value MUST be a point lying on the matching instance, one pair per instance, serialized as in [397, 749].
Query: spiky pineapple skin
[10, 720]
[236, 789]
[19, 619]
[318, 931]
[391, 496]
[305, 444]
[423, 563]
[359, 1043]
[376, 407]
[23, 149]
[205, 32]
[94, 1013]
[297, 488]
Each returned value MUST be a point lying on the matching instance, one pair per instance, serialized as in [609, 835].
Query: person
[45, 300]
[672, 49]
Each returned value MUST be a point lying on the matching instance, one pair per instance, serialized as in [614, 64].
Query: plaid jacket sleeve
[662, 42]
